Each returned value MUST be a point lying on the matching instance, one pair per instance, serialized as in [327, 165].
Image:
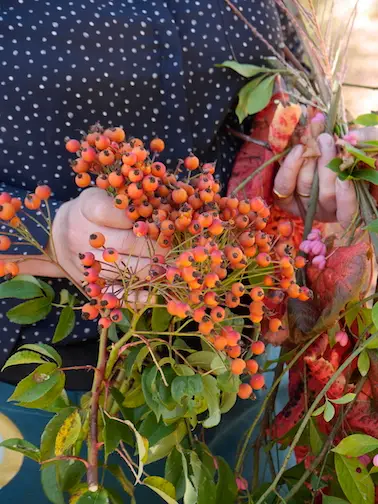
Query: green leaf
[113, 432]
[316, 441]
[190, 494]
[356, 445]
[363, 363]
[68, 433]
[37, 384]
[71, 473]
[51, 430]
[372, 226]
[367, 120]
[124, 323]
[228, 401]
[45, 350]
[226, 488]
[361, 156]
[366, 174]
[24, 357]
[335, 164]
[115, 498]
[150, 391]
[228, 382]
[329, 411]
[354, 480]
[202, 359]
[21, 446]
[374, 312]
[211, 394]
[142, 445]
[347, 398]
[373, 343]
[254, 97]
[112, 333]
[245, 69]
[174, 473]
[153, 430]
[160, 319]
[162, 487]
[118, 473]
[65, 325]
[47, 289]
[319, 410]
[333, 500]
[203, 480]
[165, 445]
[21, 287]
[50, 400]
[99, 497]
[186, 387]
[30, 311]
[50, 485]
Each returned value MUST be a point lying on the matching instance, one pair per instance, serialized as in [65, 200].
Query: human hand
[93, 211]
[337, 198]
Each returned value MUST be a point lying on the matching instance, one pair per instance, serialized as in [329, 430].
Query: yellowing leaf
[162, 487]
[68, 433]
[284, 121]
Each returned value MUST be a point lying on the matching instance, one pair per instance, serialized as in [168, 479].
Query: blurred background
[363, 51]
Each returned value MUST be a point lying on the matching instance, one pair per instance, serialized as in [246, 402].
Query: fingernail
[326, 140]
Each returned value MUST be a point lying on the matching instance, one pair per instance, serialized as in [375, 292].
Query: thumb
[97, 206]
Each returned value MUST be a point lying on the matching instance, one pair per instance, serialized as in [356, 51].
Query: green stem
[308, 415]
[92, 472]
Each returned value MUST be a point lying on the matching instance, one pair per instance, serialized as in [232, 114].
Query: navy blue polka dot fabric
[148, 65]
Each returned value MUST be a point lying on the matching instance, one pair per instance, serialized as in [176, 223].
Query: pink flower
[305, 246]
[318, 248]
[341, 337]
[242, 484]
[375, 461]
[351, 138]
[364, 459]
[319, 261]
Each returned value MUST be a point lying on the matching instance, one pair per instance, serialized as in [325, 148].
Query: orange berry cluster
[218, 255]
[9, 206]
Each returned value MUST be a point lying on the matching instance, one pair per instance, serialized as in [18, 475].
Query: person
[148, 65]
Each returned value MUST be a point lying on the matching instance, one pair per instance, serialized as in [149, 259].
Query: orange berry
[237, 366]
[234, 352]
[305, 294]
[32, 202]
[288, 272]
[89, 312]
[140, 229]
[121, 201]
[43, 192]
[286, 262]
[247, 239]
[116, 134]
[285, 283]
[128, 159]
[234, 254]
[11, 268]
[89, 154]
[257, 347]
[96, 240]
[145, 209]
[2, 268]
[244, 207]
[106, 157]
[285, 228]
[220, 343]
[185, 259]
[87, 259]
[257, 381]
[237, 289]
[102, 142]
[72, 145]
[140, 153]
[216, 227]
[5, 243]
[294, 291]
[116, 315]
[191, 162]
[257, 204]
[211, 280]
[150, 183]
[5, 197]
[241, 221]
[102, 181]
[83, 180]
[218, 314]
[15, 222]
[268, 281]
[257, 294]
[116, 179]
[157, 145]
[135, 190]
[80, 166]
[93, 290]
[167, 228]
[231, 301]
[260, 223]
[7, 211]
[158, 169]
[211, 299]
[263, 259]
[200, 255]
[252, 366]
[275, 324]
[164, 241]
[300, 262]
[179, 196]
[198, 314]
[205, 326]
[17, 203]
[104, 323]
[245, 391]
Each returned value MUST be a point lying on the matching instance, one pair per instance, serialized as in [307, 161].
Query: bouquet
[183, 338]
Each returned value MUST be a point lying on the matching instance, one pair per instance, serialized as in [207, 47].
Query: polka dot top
[147, 65]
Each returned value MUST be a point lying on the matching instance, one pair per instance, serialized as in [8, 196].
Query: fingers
[306, 176]
[138, 266]
[97, 206]
[327, 178]
[286, 178]
[368, 134]
[346, 200]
